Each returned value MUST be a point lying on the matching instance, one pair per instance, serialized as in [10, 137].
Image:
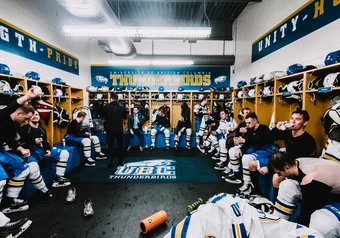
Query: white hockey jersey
[331, 151]
[228, 216]
[226, 125]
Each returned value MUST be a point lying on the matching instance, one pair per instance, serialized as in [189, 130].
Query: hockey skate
[220, 166]
[100, 155]
[15, 229]
[90, 162]
[200, 148]
[246, 191]
[230, 177]
[15, 205]
[60, 181]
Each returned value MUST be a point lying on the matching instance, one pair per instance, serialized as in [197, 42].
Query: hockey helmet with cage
[331, 121]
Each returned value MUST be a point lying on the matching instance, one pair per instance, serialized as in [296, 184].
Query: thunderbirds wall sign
[312, 16]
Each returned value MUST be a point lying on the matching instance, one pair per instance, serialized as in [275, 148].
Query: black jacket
[8, 127]
[162, 121]
[113, 114]
[74, 129]
[28, 134]
[166, 110]
[131, 120]
[257, 138]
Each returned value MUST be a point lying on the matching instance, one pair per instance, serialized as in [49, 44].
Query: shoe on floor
[71, 195]
[140, 149]
[128, 149]
[90, 162]
[167, 147]
[100, 156]
[152, 147]
[88, 208]
[188, 147]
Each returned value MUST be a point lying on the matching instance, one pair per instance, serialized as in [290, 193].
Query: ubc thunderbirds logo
[146, 169]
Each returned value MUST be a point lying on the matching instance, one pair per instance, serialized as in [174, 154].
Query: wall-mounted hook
[313, 97]
[280, 98]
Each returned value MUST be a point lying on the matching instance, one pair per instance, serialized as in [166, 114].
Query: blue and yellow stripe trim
[180, 230]
[284, 208]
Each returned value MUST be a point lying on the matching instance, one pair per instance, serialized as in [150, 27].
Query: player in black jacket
[257, 148]
[184, 124]
[12, 165]
[34, 137]
[75, 136]
[161, 124]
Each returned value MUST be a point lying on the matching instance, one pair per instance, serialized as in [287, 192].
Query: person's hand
[38, 141]
[31, 93]
[48, 153]
[243, 130]
[131, 132]
[91, 138]
[241, 140]
[214, 133]
[238, 153]
[137, 120]
[279, 124]
[162, 129]
[182, 130]
[25, 152]
[263, 170]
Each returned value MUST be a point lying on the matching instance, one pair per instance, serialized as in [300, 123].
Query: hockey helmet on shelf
[32, 75]
[58, 81]
[241, 84]
[4, 69]
[259, 79]
[91, 89]
[332, 58]
[294, 68]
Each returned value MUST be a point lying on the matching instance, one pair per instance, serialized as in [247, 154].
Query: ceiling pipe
[99, 13]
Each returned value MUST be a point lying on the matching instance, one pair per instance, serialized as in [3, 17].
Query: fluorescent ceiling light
[139, 32]
[129, 62]
[172, 62]
[150, 62]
